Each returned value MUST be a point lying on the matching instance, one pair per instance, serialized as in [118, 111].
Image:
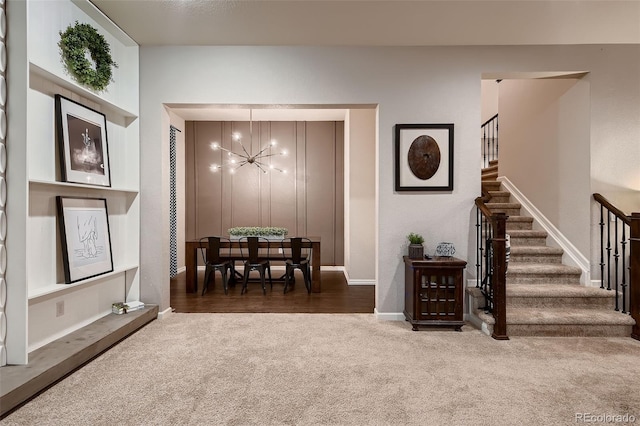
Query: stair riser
[606, 303]
[551, 330]
[541, 279]
[526, 226]
[532, 258]
[490, 185]
[490, 175]
[528, 241]
[500, 199]
[509, 211]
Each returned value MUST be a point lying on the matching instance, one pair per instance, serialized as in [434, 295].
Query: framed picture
[85, 237]
[82, 142]
[424, 157]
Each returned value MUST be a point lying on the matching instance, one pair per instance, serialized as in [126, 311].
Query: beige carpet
[339, 369]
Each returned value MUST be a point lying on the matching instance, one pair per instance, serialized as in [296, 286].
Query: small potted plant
[416, 249]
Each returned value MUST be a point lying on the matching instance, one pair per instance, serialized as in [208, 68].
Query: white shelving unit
[53, 309]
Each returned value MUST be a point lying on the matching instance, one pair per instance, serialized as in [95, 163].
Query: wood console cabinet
[433, 293]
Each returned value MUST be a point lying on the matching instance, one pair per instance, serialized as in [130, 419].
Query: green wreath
[74, 42]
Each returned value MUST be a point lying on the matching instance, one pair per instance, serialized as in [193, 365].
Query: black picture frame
[82, 143]
[406, 135]
[85, 237]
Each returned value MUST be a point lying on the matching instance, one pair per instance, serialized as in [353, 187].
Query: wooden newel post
[634, 274]
[500, 277]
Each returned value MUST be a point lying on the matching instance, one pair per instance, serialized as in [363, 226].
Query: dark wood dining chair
[255, 259]
[297, 255]
[214, 260]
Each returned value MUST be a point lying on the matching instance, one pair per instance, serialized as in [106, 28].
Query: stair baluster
[492, 278]
[490, 140]
[628, 290]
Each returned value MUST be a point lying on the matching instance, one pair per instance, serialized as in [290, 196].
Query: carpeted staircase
[544, 296]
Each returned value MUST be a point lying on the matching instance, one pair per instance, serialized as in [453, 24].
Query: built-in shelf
[81, 186]
[55, 288]
[130, 116]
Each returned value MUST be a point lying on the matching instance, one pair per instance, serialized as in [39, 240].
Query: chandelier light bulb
[238, 159]
[284, 152]
[214, 167]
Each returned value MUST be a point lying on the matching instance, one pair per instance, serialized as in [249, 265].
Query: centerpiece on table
[269, 232]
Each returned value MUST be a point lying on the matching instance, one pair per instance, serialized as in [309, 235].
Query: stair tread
[542, 268]
[491, 205]
[519, 219]
[557, 290]
[567, 316]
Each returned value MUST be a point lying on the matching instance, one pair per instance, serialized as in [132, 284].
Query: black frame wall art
[85, 237]
[82, 143]
[424, 157]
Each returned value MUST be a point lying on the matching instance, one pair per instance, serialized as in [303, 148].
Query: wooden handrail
[483, 208]
[489, 121]
[613, 209]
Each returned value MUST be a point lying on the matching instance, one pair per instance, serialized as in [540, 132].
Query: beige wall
[489, 99]
[544, 150]
[360, 201]
[307, 199]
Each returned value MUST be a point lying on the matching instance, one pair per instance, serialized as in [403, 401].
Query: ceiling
[375, 22]
[363, 23]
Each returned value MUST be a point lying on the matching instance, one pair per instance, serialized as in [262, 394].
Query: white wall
[36, 267]
[410, 85]
[544, 150]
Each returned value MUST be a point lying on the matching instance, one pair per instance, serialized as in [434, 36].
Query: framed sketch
[424, 157]
[82, 142]
[85, 237]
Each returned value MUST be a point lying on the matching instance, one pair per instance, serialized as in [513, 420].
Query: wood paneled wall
[307, 200]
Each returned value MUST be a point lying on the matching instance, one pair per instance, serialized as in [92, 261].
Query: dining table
[191, 258]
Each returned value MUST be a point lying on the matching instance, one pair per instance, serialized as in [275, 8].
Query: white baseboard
[165, 313]
[332, 268]
[361, 282]
[182, 269]
[596, 283]
[389, 316]
[571, 254]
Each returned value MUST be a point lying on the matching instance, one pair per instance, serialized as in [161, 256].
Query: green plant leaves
[73, 44]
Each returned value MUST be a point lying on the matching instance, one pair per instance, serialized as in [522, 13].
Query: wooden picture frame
[85, 237]
[424, 157]
[82, 143]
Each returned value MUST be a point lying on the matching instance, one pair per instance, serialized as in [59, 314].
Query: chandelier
[237, 159]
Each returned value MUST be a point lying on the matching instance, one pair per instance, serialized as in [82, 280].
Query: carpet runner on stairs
[544, 296]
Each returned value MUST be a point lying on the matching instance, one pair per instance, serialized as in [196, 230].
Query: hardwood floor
[336, 296]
